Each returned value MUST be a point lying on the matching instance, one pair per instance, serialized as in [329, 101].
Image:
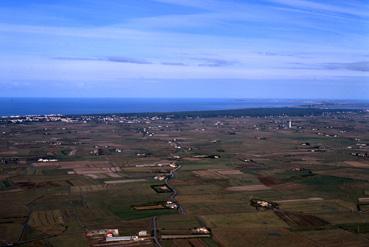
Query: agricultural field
[190, 178]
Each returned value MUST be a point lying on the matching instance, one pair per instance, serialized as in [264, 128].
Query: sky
[185, 48]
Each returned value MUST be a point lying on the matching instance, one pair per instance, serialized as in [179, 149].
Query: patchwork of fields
[186, 174]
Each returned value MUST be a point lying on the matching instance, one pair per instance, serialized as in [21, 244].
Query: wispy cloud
[127, 60]
[214, 62]
[113, 59]
[174, 64]
[355, 66]
[201, 62]
[339, 7]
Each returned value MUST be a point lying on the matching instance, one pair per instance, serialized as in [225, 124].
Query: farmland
[170, 174]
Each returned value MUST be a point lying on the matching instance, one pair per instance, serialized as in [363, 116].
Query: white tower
[290, 124]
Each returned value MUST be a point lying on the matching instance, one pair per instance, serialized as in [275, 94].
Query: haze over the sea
[41, 106]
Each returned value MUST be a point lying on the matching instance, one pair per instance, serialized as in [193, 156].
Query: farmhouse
[170, 204]
[121, 238]
[258, 203]
[160, 177]
[201, 230]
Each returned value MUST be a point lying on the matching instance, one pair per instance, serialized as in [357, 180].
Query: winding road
[172, 197]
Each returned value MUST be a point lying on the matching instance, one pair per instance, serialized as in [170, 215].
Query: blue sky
[185, 48]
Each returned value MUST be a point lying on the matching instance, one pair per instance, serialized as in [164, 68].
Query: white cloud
[361, 10]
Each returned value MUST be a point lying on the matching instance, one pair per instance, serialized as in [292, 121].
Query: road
[155, 231]
[172, 197]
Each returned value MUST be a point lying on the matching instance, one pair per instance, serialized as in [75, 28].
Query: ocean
[65, 106]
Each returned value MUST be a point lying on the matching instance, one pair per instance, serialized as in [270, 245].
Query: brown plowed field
[268, 180]
[300, 220]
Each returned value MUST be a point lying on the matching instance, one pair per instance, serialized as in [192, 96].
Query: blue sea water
[40, 106]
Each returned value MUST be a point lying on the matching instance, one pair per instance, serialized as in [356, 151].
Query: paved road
[155, 231]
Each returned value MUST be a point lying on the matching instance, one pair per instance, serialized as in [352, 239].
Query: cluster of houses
[361, 145]
[37, 118]
[147, 132]
[175, 143]
[82, 119]
[142, 235]
[112, 235]
[363, 155]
